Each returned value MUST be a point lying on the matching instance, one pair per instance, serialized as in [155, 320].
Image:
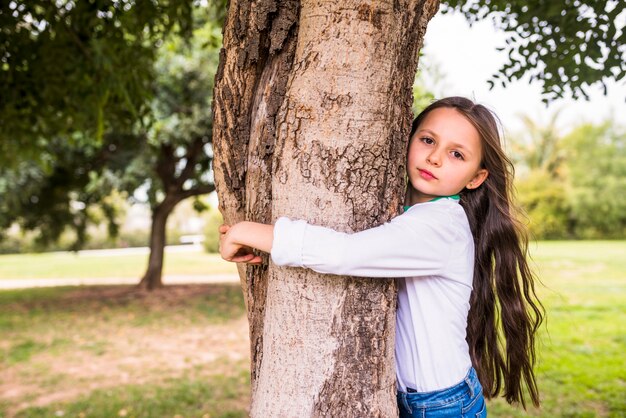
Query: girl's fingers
[242, 255]
[248, 258]
[223, 228]
[243, 258]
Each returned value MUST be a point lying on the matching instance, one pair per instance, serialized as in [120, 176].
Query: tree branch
[193, 151]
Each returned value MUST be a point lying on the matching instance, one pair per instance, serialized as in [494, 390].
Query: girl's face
[444, 156]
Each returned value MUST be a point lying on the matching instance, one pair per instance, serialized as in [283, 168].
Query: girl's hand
[230, 250]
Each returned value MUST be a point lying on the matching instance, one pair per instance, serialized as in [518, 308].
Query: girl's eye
[457, 155]
[428, 141]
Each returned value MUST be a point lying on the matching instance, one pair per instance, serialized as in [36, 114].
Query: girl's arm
[415, 244]
[406, 246]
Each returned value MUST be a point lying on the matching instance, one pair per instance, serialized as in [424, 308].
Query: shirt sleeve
[407, 246]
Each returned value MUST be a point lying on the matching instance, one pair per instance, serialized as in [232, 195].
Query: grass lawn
[115, 352]
[581, 360]
[86, 265]
[183, 351]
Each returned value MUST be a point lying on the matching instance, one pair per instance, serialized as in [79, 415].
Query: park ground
[112, 351]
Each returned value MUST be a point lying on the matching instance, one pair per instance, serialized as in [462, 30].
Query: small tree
[545, 201]
[539, 158]
[596, 171]
[162, 147]
[179, 140]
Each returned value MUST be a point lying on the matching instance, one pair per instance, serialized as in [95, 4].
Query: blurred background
[113, 301]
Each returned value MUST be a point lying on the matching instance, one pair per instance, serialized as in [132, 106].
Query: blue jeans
[464, 399]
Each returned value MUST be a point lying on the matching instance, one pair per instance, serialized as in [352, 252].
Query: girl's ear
[479, 178]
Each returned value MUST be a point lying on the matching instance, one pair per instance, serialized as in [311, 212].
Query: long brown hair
[505, 312]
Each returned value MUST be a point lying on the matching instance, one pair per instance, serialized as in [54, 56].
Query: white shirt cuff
[288, 241]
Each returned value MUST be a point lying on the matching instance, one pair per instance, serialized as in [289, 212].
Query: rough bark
[312, 112]
[259, 42]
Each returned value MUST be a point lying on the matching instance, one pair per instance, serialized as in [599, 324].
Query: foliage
[539, 148]
[212, 236]
[566, 45]
[180, 136]
[573, 186]
[544, 200]
[67, 190]
[74, 70]
[596, 168]
[421, 96]
[165, 150]
[20, 242]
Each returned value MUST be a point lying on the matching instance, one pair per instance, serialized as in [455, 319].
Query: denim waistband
[469, 384]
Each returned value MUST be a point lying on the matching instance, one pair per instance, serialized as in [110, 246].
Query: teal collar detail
[453, 197]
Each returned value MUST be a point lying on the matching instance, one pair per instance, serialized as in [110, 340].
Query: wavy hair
[505, 312]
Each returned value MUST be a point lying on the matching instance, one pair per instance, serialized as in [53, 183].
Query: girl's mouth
[427, 175]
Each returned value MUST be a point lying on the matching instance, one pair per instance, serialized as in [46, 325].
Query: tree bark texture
[312, 114]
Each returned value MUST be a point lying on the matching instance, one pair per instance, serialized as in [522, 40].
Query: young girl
[467, 309]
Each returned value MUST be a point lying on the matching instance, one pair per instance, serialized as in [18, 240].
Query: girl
[467, 309]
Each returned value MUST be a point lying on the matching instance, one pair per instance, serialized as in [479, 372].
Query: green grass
[73, 265]
[23, 350]
[581, 363]
[183, 397]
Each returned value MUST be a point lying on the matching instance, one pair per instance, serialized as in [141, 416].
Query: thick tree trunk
[312, 112]
[152, 278]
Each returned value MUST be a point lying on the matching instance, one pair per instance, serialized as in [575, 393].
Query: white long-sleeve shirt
[431, 250]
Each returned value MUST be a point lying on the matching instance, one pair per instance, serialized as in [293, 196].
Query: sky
[467, 57]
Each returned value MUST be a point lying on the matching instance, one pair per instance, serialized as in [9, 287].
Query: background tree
[546, 205]
[538, 146]
[165, 152]
[67, 186]
[540, 179]
[571, 185]
[179, 164]
[312, 110]
[596, 171]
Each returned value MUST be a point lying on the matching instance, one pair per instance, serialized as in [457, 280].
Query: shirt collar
[453, 197]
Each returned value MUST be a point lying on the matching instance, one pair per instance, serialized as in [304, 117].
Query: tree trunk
[152, 278]
[312, 114]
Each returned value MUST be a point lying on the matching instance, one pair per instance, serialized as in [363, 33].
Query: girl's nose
[434, 159]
